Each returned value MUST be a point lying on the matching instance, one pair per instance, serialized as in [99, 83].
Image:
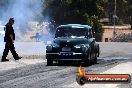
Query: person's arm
[12, 38]
[12, 35]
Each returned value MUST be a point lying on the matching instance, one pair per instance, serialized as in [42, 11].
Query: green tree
[76, 11]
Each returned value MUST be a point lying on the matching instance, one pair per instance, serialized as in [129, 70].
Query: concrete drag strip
[115, 49]
[115, 58]
[41, 76]
[20, 63]
[37, 76]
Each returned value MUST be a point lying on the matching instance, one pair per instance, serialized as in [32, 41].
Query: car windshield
[71, 32]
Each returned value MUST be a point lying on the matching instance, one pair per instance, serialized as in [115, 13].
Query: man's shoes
[18, 58]
[4, 60]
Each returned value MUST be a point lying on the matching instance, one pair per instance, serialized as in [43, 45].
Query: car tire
[98, 52]
[88, 60]
[49, 62]
[95, 59]
[87, 63]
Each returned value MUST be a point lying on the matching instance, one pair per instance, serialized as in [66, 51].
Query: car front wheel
[49, 62]
[88, 60]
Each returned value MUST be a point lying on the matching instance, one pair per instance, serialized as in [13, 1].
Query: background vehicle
[73, 42]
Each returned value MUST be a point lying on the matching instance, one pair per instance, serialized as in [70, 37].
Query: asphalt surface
[26, 74]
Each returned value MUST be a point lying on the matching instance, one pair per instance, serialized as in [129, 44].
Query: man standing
[9, 41]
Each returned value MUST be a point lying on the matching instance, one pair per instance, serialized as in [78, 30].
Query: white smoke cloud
[22, 11]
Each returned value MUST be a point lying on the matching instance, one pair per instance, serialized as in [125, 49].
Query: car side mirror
[93, 39]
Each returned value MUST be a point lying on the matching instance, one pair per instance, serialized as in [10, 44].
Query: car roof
[74, 26]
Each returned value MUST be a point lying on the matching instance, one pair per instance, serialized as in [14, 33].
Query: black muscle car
[73, 42]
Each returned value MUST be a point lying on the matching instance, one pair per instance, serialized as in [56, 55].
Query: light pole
[114, 16]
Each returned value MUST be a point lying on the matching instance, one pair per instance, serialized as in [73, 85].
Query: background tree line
[89, 12]
[77, 12]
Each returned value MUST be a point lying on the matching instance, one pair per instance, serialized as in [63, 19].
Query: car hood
[71, 41]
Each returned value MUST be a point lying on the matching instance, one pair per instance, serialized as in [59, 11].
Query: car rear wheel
[95, 59]
[98, 52]
[49, 62]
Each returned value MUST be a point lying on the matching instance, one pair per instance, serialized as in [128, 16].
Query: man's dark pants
[9, 46]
